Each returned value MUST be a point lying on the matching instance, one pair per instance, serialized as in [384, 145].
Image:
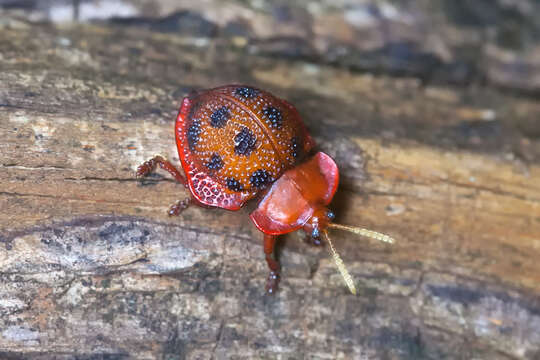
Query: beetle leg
[315, 241]
[179, 206]
[273, 278]
[148, 166]
[313, 234]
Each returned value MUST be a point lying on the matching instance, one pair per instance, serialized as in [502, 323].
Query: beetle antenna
[363, 232]
[340, 265]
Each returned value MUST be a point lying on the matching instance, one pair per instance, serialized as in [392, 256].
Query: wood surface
[92, 267]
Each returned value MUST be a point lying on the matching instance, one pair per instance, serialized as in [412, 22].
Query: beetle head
[299, 198]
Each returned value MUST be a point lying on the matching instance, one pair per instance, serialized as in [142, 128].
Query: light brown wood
[90, 263]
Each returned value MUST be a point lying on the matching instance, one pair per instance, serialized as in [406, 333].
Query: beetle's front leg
[148, 166]
[313, 240]
[313, 235]
[273, 277]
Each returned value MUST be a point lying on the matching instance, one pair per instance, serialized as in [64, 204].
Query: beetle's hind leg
[273, 278]
[180, 206]
[148, 166]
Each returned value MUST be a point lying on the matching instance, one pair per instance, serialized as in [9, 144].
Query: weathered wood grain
[91, 266]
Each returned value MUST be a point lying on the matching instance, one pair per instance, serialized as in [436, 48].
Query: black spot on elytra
[194, 131]
[246, 92]
[234, 184]
[244, 142]
[273, 115]
[219, 118]
[295, 145]
[260, 178]
[215, 162]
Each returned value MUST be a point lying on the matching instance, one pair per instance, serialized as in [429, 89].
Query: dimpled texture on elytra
[242, 138]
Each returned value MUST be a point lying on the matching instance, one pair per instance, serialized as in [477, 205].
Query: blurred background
[449, 41]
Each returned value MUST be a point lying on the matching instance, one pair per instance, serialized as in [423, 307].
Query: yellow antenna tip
[347, 278]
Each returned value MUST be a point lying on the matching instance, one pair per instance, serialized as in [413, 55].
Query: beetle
[238, 142]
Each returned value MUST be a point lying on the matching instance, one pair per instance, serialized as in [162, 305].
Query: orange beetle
[237, 142]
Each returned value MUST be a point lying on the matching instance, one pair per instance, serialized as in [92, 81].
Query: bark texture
[92, 267]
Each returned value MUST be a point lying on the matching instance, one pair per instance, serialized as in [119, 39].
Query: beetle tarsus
[145, 168]
[272, 282]
[150, 165]
[177, 208]
[315, 241]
